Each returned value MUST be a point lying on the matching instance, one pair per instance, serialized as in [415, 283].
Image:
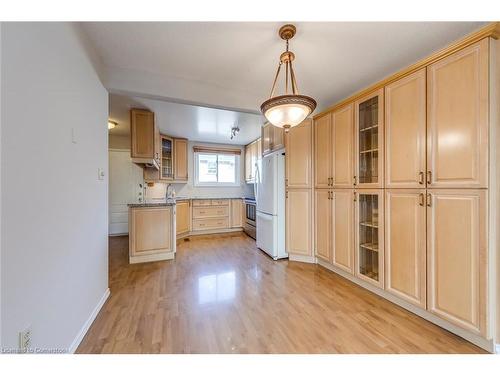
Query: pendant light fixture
[290, 109]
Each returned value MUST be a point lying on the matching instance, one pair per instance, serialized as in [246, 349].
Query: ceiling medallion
[288, 110]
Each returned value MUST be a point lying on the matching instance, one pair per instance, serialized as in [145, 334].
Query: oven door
[250, 214]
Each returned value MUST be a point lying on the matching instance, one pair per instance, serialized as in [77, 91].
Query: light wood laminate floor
[223, 295]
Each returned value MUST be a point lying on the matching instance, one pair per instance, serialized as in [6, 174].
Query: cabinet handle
[286, 194]
[355, 181]
[429, 177]
[421, 199]
[421, 177]
[429, 200]
[354, 196]
[330, 195]
[286, 181]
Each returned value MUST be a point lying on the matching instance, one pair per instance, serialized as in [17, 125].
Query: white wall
[54, 264]
[189, 190]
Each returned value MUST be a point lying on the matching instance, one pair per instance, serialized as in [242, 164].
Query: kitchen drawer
[202, 202]
[213, 211]
[220, 202]
[212, 223]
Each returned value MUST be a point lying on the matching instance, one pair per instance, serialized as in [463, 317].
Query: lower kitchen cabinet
[183, 217]
[405, 245]
[299, 222]
[151, 233]
[457, 267]
[237, 207]
[334, 235]
[323, 224]
[369, 235]
[343, 234]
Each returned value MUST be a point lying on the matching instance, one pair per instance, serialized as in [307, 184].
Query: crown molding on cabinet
[491, 30]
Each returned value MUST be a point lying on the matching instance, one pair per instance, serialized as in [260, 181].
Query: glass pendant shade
[289, 110]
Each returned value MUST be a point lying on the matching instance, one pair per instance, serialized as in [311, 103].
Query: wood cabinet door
[405, 122]
[183, 217]
[343, 233]
[236, 213]
[299, 222]
[369, 140]
[143, 134]
[180, 159]
[248, 162]
[457, 257]
[369, 235]
[405, 245]
[457, 123]
[323, 224]
[267, 139]
[151, 230]
[299, 156]
[322, 152]
[343, 147]
[278, 138]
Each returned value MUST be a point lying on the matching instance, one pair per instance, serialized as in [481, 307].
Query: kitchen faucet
[170, 192]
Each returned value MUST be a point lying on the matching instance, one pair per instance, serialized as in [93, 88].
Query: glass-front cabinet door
[369, 155]
[167, 154]
[370, 235]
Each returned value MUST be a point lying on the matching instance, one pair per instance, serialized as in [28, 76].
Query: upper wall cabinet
[145, 137]
[322, 152]
[343, 144]
[298, 156]
[273, 138]
[405, 119]
[180, 159]
[369, 140]
[253, 152]
[457, 123]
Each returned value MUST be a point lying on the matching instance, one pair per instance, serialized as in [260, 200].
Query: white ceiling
[181, 120]
[232, 65]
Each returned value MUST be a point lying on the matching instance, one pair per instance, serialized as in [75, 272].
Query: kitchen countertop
[202, 198]
[169, 202]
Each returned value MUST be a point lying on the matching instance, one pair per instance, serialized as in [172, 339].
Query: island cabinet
[145, 138]
[152, 233]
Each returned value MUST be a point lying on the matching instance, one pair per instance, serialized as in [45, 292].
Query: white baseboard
[79, 337]
[473, 338]
[301, 258]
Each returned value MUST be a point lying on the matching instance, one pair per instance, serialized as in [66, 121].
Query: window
[217, 169]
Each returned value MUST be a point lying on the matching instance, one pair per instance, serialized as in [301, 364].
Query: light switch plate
[100, 173]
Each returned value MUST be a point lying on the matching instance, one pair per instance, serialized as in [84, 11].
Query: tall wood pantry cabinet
[418, 220]
[298, 181]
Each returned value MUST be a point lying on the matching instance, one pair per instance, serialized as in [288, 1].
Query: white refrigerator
[270, 197]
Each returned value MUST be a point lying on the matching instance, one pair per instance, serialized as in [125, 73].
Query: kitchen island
[152, 231]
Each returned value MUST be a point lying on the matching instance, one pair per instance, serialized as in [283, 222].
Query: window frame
[237, 175]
